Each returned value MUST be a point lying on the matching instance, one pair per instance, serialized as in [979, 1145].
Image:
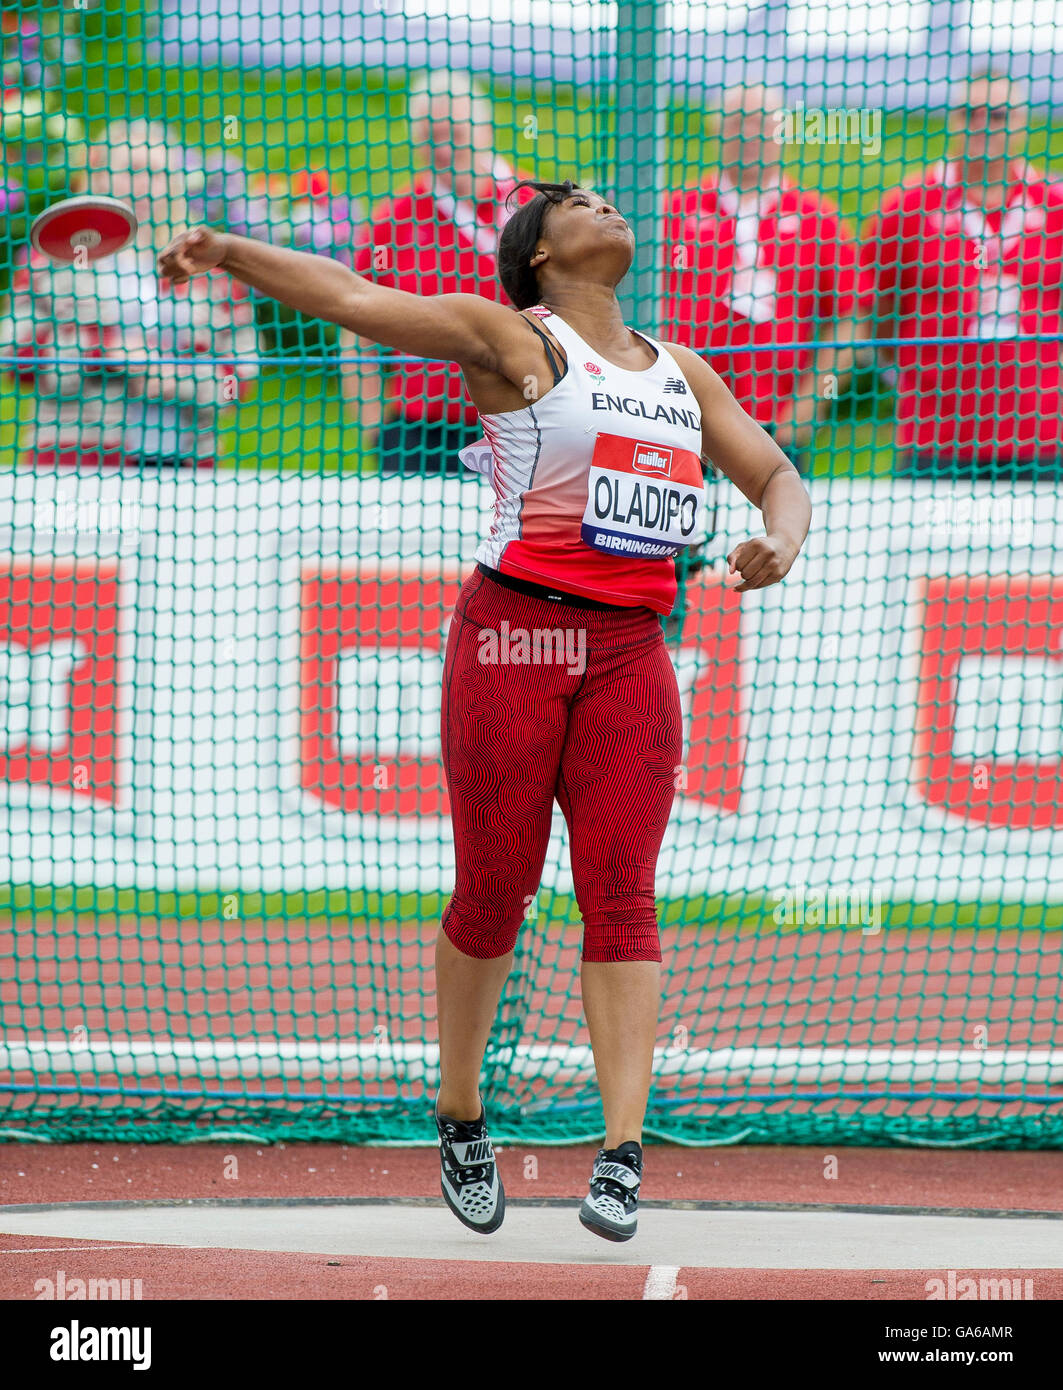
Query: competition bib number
[643, 499]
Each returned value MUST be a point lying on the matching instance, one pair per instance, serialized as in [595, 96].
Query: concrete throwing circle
[698, 1235]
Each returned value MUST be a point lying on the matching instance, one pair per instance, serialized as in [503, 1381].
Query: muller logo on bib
[652, 458]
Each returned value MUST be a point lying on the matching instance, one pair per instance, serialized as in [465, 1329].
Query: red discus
[86, 228]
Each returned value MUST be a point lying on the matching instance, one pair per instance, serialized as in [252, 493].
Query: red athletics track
[866, 1177]
[281, 979]
[289, 978]
[293, 979]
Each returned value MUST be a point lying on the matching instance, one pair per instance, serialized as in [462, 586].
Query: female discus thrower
[596, 435]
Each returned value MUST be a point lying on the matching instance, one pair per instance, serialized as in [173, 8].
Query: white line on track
[660, 1283]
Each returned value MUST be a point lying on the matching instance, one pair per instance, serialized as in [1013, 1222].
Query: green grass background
[737, 914]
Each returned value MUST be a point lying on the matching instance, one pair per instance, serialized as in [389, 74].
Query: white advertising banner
[232, 682]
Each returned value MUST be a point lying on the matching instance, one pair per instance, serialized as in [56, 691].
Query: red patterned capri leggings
[545, 700]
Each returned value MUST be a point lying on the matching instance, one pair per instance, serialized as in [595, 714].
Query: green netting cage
[231, 538]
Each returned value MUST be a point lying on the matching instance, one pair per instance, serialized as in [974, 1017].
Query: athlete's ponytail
[516, 245]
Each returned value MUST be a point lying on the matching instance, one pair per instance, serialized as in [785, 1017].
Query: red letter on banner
[1009, 615]
[44, 603]
[716, 742]
[342, 610]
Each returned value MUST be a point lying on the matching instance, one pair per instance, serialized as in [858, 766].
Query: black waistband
[553, 595]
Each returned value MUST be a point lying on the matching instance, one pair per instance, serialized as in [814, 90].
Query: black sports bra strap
[550, 356]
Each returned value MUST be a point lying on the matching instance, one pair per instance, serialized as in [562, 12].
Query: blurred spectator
[299, 210]
[12, 196]
[35, 46]
[43, 146]
[14, 222]
[974, 248]
[123, 410]
[218, 192]
[753, 259]
[320, 220]
[438, 237]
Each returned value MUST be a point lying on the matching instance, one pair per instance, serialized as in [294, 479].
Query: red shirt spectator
[740, 273]
[426, 241]
[951, 268]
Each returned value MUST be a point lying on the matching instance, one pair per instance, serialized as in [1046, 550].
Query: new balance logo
[676, 385]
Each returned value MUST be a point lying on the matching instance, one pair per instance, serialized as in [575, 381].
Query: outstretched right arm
[463, 328]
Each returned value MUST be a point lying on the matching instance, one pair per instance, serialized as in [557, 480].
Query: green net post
[638, 171]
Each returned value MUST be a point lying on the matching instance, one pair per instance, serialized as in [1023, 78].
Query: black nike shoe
[468, 1173]
[611, 1207]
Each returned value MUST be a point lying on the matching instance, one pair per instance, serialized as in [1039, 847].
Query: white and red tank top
[598, 483]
